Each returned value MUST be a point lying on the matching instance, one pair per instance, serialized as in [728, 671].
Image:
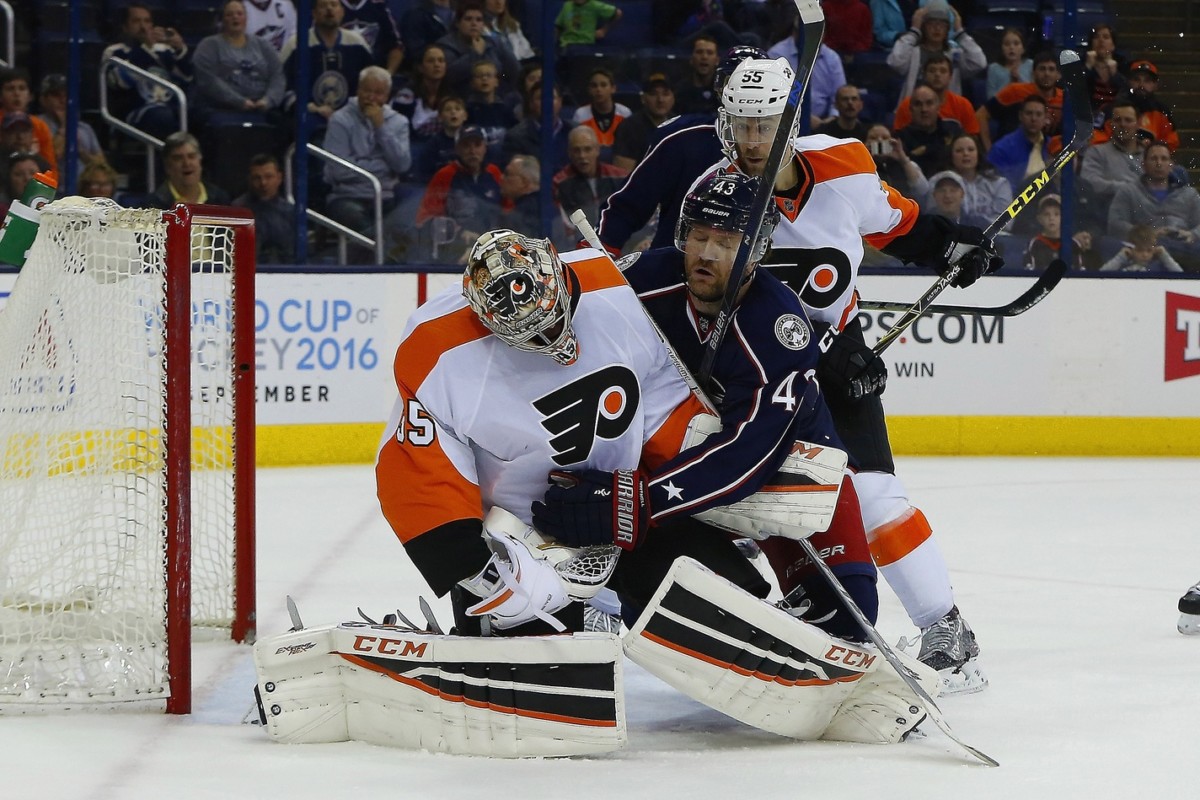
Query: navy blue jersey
[762, 378]
[661, 180]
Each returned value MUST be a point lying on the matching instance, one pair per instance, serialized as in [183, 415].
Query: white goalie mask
[752, 106]
[518, 288]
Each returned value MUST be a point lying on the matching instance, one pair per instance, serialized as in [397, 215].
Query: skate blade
[1189, 624]
[967, 679]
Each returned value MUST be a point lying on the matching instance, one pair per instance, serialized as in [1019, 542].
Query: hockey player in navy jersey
[832, 199]
[763, 392]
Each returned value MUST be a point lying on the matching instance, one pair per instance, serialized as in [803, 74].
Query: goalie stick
[1025, 301]
[811, 29]
[1077, 94]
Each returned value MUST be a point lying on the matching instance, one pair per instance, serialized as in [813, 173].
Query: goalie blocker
[391, 685]
[756, 663]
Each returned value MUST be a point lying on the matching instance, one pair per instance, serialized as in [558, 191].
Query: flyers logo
[1181, 339]
[601, 405]
[819, 275]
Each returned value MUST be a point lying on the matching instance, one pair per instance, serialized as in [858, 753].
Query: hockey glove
[851, 369]
[591, 506]
[974, 254]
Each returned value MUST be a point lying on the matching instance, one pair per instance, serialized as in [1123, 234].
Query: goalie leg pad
[743, 657]
[798, 501]
[882, 709]
[389, 685]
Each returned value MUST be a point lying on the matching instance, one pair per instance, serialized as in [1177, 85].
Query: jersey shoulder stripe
[431, 338]
[832, 158]
[594, 270]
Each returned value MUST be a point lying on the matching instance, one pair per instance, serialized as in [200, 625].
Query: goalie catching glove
[591, 507]
[973, 253]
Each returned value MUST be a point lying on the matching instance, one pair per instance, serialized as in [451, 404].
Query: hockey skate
[1189, 612]
[949, 646]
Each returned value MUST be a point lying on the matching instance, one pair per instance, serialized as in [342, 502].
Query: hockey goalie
[541, 364]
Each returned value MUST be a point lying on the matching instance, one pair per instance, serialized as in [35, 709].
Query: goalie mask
[752, 105]
[517, 286]
[723, 201]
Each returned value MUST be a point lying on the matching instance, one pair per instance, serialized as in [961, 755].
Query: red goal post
[126, 452]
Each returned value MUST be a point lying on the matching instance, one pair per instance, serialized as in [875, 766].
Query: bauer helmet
[723, 201]
[752, 104]
[733, 57]
[517, 286]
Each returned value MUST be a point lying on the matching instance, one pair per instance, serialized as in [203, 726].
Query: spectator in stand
[987, 193]
[274, 216]
[1013, 66]
[369, 133]
[1163, 202]
[936, 75]
[467, 44]
[848, 124]
[17, 172]
[273, 21]
[847, 26]
[531, 73]
[466, 191]
[52, 97]
[1142, 254]
[602, 114]
[373, 20]
[16, 137]
[1117, 162]
[584, 21]
[162, 51]
[633, 137]
[486, 110]
[827, 76]
[1004, 107]
[336, 56]
[501, 23]
[437, 151]
[586, 182]
[420, 96]
[927, 138]
[424, 23]
[1047, 245]
[1105, 67]
[948, 193]
[930, 33]
[887, 22]
[14, 99]
[184, 167]
[892, 163]
[98, 179]
[239, 77]
[519, 208]
[1024, 152]
[695, 94]
[526, 136]
[1153, 114]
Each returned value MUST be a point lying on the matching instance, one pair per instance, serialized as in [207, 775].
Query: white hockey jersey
[479, 423]
[818, 245]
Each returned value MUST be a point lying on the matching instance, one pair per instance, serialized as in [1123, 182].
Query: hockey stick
[931, 708]
[812, 28]
[1025, 301]
[1077, 94]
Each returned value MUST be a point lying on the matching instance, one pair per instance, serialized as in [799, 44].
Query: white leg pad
[743, 657]
[882, 709]
[388, 685]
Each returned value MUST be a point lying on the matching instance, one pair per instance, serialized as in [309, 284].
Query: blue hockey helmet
[723, 200]
[734, 56]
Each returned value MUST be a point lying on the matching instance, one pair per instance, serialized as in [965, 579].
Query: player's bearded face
[707, 259]
[754, 137]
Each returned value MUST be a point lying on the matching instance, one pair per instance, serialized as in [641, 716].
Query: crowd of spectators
[441, 101]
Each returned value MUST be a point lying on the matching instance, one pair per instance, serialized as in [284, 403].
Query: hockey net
[126, 428]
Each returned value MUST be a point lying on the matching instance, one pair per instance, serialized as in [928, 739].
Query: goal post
[126, 453]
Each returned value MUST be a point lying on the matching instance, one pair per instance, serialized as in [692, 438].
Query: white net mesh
[83, 384]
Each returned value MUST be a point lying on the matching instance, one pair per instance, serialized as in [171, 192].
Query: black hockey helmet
[723, 200]
[734, 56]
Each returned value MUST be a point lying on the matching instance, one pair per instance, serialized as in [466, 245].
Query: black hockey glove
[590, 506]
[976, 256]
[850, 368]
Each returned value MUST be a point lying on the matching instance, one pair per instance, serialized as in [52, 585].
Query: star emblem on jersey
[792, 332]
[673, 491]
